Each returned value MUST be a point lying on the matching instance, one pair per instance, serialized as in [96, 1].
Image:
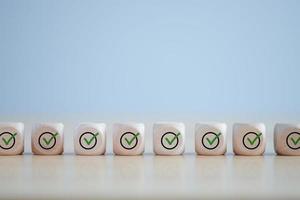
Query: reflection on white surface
[149, 176]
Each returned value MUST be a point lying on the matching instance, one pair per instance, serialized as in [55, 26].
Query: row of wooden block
[168, 139]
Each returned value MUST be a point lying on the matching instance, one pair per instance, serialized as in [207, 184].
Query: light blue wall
[107, 57]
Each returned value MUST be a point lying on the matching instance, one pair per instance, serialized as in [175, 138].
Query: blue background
[232, 58]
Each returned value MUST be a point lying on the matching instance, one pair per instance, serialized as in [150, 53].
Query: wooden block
[11, 138]
[210, 139]
[287, 139]
[47, 139]
[249, 139]
[128, 139]
[169, 138]
[90, 139]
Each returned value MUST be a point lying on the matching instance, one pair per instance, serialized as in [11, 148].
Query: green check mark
[210, 142]
[47, 142]
[173, 139]
[6, 142]
[295, 142]
[88, 142]
[256, 138]
[129, 142]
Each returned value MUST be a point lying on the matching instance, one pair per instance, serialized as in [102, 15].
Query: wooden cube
[11, 138]
[210, 139]
[169, 138]
[128, 139]
[249, 139]
[47, 139]
[287, 139]
[90, 139]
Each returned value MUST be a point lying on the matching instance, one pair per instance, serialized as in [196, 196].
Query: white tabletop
[149, 176]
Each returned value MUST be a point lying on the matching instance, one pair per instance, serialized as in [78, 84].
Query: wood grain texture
[147, 177]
